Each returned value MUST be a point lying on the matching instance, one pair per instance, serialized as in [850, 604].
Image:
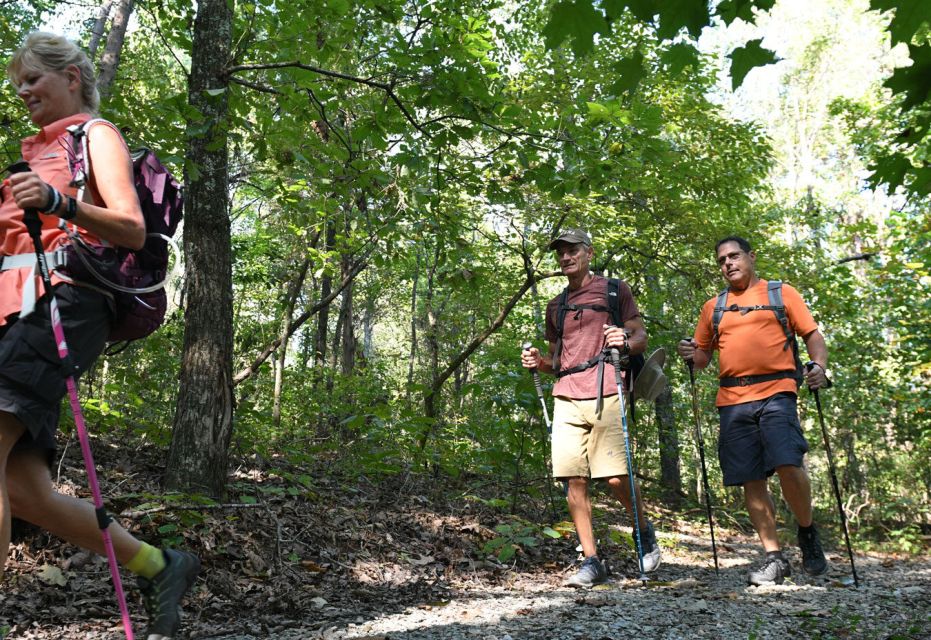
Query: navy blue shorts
[758, 436]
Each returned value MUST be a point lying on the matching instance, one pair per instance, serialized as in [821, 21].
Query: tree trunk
[668, 443]
[290, 300]
[323, 316]
[97, 31]
[413, 354]
[199, 453]
[111, 53]
[348, 359]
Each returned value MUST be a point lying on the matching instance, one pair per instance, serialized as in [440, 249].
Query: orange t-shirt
[752, 344]
[46, 152]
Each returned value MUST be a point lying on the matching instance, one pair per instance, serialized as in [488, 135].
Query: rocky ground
[295, 554]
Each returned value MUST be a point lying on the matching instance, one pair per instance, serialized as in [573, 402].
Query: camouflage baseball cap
[572, 236]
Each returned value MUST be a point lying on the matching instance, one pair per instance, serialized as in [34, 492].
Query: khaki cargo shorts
[584, 444]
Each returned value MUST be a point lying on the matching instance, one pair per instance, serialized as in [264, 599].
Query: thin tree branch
[387, 88]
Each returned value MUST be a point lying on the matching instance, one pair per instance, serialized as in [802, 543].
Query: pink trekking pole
[34, 226]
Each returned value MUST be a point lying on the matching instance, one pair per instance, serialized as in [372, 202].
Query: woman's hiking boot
[774, 570]
[591, 572]
[813, 560]
[162, 594]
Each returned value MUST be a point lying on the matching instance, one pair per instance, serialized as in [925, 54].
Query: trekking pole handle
[690, 362]
[828, 384]
[615, 354]
[534, 372]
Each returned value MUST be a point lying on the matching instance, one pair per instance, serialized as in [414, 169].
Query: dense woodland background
[371, 187]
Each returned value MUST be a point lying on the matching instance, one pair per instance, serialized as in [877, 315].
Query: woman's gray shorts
[32, 379]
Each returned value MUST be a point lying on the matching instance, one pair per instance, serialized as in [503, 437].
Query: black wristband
[54, 200]
[70, 211]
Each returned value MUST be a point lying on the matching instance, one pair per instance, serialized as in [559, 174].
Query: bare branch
[387, 88]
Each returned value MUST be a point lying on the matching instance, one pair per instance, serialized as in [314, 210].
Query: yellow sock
[148, 562]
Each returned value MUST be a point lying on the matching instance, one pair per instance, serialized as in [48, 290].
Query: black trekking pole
[34, 226]
[700, 441]
[616, 361]
[827, 449]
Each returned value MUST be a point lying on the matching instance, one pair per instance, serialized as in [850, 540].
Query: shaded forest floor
[300, 554]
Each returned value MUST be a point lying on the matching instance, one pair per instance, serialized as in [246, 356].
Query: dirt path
[401, 559]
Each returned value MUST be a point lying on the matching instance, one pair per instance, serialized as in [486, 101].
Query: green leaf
[909, 17]
[679, 56]
[745, 58]
[643, 10]
[247, 499]
[913, 81]
[676, 14]
[730, 10]
[507, 552]
[577, 20]
[630, 72]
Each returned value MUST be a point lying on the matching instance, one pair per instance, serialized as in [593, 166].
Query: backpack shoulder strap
[774, 295]
[614, 300]
[719, 306]
[561, 310]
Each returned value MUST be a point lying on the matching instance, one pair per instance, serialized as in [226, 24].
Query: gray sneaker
[652, 556]
[774, 570]
[162, 594]
[592, 572]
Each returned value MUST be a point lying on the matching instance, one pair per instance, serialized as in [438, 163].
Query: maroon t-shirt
[583, 337]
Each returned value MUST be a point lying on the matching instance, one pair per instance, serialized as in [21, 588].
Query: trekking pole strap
[103, 518]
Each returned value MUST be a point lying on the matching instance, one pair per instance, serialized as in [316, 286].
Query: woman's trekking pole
[616, 361]
[34, 226]
[827, 449]
[700, 441]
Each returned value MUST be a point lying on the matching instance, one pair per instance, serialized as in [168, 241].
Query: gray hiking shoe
[652, 556]
[774, 570]
[592, 572]
[162, 594]
[813, 560]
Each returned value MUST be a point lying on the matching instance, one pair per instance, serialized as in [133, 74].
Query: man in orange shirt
[759, 376]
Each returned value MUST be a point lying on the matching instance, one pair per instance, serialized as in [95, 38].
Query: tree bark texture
[199, 453]
[110, 60]
[100, 26]
[668, 443]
